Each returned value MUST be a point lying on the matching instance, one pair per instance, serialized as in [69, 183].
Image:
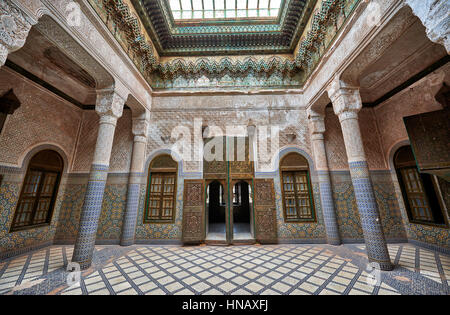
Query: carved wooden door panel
[265, 211]
[193, 212]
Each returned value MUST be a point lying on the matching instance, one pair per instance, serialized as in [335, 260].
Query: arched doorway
[215, 210]
[242, 214]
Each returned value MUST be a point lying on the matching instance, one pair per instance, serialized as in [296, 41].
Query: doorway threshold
[243, 238]
[216, 238]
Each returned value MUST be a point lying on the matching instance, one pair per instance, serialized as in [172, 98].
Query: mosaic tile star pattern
[239, 270]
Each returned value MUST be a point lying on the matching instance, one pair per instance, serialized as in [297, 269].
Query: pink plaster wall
[122, 146]
[42, 118]
[416, 99]
[334, 141]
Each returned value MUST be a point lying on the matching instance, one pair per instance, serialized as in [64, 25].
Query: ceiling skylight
[224, 9]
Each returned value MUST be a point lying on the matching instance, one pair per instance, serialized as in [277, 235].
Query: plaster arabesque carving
[109, 103]
[14, 29]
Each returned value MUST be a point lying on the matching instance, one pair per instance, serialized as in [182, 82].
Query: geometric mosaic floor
[237, 270]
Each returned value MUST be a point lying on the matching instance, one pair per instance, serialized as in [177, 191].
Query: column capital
[346, 99]
[14, 28]
[109, 105]
[316, 122]
[140, 126]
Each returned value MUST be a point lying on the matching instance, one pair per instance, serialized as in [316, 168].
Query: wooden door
[265, 211]
[193, 212]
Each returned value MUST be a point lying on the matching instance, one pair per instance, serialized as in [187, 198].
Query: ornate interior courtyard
[224, 147]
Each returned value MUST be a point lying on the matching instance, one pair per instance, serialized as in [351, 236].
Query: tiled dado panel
[111, 219]
[429, 236]
[302, 232]
[17, 242]
[110, 223]
[347, 211]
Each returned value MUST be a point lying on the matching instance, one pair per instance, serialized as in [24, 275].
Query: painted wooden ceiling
[231, 54]
[219, 27]
[224, 10]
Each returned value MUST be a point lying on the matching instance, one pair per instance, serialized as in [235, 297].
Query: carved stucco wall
[122, 146]
[417, 99]
[41, 118]
[93, 37]
[284, 111]
[334, 141]
[343, 192]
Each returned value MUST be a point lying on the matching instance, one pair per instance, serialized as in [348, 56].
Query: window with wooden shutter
[39, 191]
[161, 191]
[419, 191]
[298, 202]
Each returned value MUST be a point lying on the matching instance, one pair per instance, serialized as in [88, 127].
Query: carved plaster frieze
[64, 41]
[14, 28]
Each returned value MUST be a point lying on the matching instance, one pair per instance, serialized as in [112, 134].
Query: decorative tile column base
[90, 214]
[130, 218]
[377, 250]
[317, 127]
[329, 216]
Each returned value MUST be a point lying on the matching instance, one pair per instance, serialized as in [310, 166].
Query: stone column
[317, 125]
[110, 108]
[346, 104]
[140, 131]
[434, 16]
[14, 28]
